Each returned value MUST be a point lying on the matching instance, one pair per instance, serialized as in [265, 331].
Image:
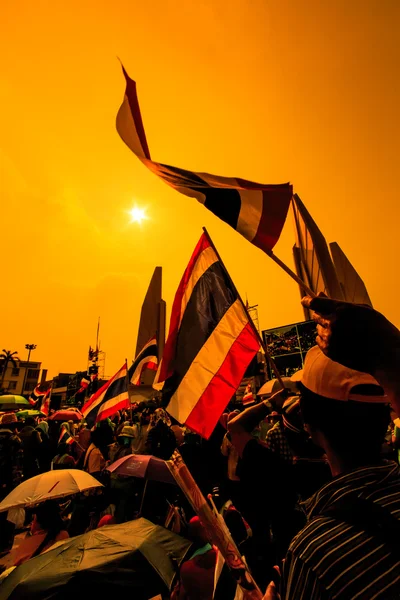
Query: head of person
[10, 421]
[30, 422]
[44, 427]
[126, 436]
[47, 518]
[344, 411]
[197, 532]
[96, 437]
[274, 417]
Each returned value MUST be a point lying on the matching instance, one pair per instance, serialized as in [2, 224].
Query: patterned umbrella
[144, 466]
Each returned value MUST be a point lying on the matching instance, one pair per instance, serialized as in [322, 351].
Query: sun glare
[137, 214]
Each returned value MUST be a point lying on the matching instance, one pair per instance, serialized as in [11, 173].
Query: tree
[7, 357]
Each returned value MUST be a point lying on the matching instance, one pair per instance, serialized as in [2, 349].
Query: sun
[137, 214]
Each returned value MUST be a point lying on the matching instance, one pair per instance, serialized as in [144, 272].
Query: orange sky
[270, 90]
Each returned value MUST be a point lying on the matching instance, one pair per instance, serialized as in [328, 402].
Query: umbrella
[11, 402]
[66, 415]
[134, 559]
[143, 466]
[50, 485]
[23, 414]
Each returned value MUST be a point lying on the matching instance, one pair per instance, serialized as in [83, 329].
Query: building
[23, 378]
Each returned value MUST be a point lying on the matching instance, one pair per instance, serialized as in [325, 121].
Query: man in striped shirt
[350, 547]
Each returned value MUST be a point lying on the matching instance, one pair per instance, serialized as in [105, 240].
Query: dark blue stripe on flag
[211, 297]
[149, 351]
[116, 388]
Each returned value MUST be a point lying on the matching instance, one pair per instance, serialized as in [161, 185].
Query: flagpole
[292, 274]
[127, 387]
[262, 344]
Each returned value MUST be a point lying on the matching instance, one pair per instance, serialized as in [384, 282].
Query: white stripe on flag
[135, 379]
[207, 362]
[250, 213]
[127, 129]
[111, 403]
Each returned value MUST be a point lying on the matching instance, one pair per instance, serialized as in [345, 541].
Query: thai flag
[255, 210]
[109, 399]
[45, 405]
[210, 344]
[65, 437]
[36, 395]
[146, 359]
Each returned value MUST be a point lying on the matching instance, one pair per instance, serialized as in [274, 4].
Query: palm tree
[7, 357]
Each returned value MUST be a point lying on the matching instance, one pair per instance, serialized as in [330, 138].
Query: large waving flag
[255, 210]
[210, 344]
[146, 359]
[110, 398]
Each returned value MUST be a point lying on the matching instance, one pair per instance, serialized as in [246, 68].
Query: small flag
[109, 399]
[255, 210]
[248, 397]
[85, 382]
[45, 406]
[146, 359]
[210, 343]
[35, 395]
[65, 437]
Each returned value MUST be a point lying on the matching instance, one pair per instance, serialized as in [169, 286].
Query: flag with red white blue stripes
[109, 399]
[146, 359]
[65, 437]
[210, 343]
[257, 211]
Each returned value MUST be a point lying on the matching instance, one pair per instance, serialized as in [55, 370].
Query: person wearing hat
[123, 445]
[349, 547]
[268, 497]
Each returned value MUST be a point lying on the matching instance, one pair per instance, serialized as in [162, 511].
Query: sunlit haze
[284, 90]
[137, 214]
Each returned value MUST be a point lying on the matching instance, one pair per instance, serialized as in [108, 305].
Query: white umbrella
[50, 485]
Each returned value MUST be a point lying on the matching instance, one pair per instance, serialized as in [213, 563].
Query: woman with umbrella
[46, 529]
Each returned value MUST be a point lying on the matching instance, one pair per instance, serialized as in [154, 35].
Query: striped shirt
[332, 559]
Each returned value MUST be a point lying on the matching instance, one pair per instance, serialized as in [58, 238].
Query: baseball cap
[329, 379]
[127, 431]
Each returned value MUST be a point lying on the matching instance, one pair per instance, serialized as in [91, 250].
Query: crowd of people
[306, 482]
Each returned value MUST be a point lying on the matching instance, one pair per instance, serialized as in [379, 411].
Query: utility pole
[29, 347]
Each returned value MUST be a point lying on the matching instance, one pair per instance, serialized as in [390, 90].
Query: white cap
[329, 379]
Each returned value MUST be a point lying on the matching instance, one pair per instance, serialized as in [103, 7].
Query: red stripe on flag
[273, 217]
[152, 366]
[169, 349]
[223, 385]
[131, 94]
[109, 412]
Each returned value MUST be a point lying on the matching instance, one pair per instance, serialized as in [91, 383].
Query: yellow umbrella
[50, 485]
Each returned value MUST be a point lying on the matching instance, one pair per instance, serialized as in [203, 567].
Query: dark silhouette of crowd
[303, 477]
